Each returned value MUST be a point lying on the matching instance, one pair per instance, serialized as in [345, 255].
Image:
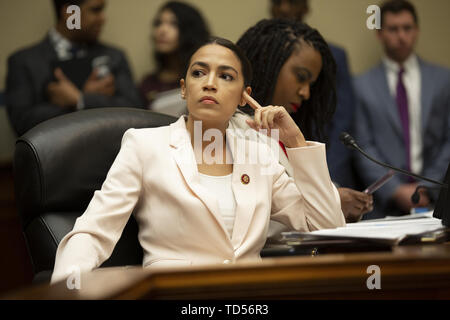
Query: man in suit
[38, 89]
[403, 115]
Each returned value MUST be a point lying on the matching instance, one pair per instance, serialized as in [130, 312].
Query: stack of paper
[385, 230]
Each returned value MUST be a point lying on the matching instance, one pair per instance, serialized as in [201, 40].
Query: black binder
[442, 208]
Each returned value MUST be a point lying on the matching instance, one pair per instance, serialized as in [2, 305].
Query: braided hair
[268, 45]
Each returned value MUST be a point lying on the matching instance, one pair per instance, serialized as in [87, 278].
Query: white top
[412, 81]
[220, 187]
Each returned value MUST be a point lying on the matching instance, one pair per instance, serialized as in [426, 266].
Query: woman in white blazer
[196, 204]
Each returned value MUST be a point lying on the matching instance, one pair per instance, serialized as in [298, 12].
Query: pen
[380, 182]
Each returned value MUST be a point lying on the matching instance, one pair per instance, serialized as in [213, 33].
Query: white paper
[389, 230]
[170, 103]
[392, 231]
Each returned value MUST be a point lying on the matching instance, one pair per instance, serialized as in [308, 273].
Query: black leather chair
[58, 165]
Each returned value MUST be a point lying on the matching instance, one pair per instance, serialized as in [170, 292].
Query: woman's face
[296, 77]
[214, 84]
[165, 32]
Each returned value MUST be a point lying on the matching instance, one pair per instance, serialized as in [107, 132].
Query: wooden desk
[407, 272]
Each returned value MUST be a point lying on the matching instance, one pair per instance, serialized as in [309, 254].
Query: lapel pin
[245, 179]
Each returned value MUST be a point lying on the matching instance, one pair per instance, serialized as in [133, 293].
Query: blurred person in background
[68, 70]
[403, 114]
[178, 30]
[338, 156]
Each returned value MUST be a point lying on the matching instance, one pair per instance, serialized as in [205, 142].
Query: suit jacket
[30, 71]
[338, 156]
[156, 174]
[379, 132]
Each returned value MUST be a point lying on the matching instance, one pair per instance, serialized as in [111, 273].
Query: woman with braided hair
[300, 60]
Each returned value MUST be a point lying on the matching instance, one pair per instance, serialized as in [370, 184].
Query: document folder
[396, 232]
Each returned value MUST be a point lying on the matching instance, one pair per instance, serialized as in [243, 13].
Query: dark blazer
[338, 156]
[378, 129]
[30, 71]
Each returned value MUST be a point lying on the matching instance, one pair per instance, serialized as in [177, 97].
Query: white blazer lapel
[284, 161]
[244, 182]
[184, 157]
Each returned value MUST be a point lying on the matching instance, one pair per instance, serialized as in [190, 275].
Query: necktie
[402, 103]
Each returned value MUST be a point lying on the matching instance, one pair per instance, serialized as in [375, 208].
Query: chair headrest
[61, 162]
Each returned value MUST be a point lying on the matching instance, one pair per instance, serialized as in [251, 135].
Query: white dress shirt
[412, 82]
[220, 188]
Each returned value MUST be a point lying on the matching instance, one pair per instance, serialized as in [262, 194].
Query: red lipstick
[295, 106]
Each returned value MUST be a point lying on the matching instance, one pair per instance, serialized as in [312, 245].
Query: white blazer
[155, 174]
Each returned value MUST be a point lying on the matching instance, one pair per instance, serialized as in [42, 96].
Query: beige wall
[342, 22]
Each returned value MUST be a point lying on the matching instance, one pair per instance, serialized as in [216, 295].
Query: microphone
[442, 208]
[350, 142]
[415, 198]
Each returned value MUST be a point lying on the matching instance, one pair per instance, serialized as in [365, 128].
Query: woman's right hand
[354, 204]
[275, 118]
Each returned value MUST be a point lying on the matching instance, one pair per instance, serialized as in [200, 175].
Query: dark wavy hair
[193, 31]
[268, 45]
[397, 6]
[246, 66]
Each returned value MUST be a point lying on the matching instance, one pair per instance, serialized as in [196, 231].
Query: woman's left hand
[276, 118]
[354, 204]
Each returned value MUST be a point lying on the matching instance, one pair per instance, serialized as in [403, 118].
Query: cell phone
[379, 183]
[102, 64]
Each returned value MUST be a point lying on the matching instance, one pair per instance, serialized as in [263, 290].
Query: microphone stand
[442, 208]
